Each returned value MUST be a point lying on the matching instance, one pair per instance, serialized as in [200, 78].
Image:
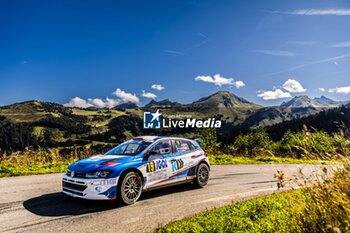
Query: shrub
[256, 141]
[316, 145]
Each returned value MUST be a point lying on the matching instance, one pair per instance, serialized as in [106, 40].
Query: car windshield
[132, 147]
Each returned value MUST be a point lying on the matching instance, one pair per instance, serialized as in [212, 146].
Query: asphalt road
[35, 203]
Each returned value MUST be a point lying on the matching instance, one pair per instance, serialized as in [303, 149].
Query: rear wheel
[202, 175]
[130, 188]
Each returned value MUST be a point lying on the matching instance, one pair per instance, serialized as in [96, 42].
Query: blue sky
[264, 51]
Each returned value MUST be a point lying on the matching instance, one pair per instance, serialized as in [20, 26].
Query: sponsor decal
[176, 164]
[154, 120]
[156, 165]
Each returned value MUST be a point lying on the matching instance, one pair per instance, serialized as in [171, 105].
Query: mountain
[304, 101]
[230, 107]
[273, 115]
[128, 105]
[324, 99]
[224, 99]
[296, 108]
[41, 124]
[332, 120]
[166, 103]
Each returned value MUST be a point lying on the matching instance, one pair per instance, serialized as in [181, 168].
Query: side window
[182, 146]
[163, 147]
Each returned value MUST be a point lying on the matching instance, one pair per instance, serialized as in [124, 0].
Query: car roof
[155, 138]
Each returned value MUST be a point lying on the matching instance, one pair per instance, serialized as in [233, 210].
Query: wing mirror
[149, 153]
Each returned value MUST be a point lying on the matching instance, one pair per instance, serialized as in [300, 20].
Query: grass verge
[271, 213]
[229, 159]
[19, 169]
[15, 170]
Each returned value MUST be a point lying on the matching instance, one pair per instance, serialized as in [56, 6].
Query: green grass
[15, 170]
[29, 167]
[273, 213]
[229, 159]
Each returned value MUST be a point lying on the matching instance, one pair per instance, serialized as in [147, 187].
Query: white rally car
[140, 164]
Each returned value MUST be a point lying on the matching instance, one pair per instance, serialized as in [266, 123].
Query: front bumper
[94, 189]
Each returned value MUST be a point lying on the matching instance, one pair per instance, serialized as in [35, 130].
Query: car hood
[96, 162]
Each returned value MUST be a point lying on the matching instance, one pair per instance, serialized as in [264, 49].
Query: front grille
[74, 192]
[76, 174]
[72, 186]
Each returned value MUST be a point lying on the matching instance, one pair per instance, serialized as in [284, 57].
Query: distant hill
[224, 99]
[296, 108]
[304, 101]
[326, 100]
[161, 104]
[333, 120]
[42, 124]
[128, 105]
[224, 103]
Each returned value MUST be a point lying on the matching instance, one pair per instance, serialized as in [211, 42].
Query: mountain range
[38, 123]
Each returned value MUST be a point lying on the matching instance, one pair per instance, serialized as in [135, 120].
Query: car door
[181, 161]
[158, 166]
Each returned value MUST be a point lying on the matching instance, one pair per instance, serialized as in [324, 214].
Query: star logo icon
[156, 115]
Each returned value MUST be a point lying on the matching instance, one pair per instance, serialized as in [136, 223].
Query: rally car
[137, 165]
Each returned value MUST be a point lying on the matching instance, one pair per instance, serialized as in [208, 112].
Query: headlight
[99, 174]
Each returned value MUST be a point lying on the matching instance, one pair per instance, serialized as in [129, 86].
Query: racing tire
[130, 188]
[202, 175]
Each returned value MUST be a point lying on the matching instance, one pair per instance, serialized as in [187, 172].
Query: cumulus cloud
[218, 80]
[239, 84]
[340, 90]
[275, 94]
[97, 102]
[78, 102]
[312, 12]
[148, 95]
[293, 86]
[125, 96]
[279, 53]
[158, 87]
[93, 102]
[321, 89]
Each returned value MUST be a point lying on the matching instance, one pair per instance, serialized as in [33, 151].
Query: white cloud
[293, 86]
[148, 95]
[125, 96]
[158, 87]
[344, 44]
[340, 90]
[272, 95]
[97, 102]
[110, 103]
[279, 53]
[239, 84]
[321, 89]
[311, 12]
[218, 80]
[78, 102]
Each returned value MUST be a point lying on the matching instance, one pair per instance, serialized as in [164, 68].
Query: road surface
[35, 203]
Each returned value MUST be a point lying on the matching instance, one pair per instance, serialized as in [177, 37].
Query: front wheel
[130, 188]
[202, 175]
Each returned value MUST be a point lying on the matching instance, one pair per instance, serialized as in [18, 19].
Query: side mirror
[149, 153]
[198, 140]
[152, 152]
